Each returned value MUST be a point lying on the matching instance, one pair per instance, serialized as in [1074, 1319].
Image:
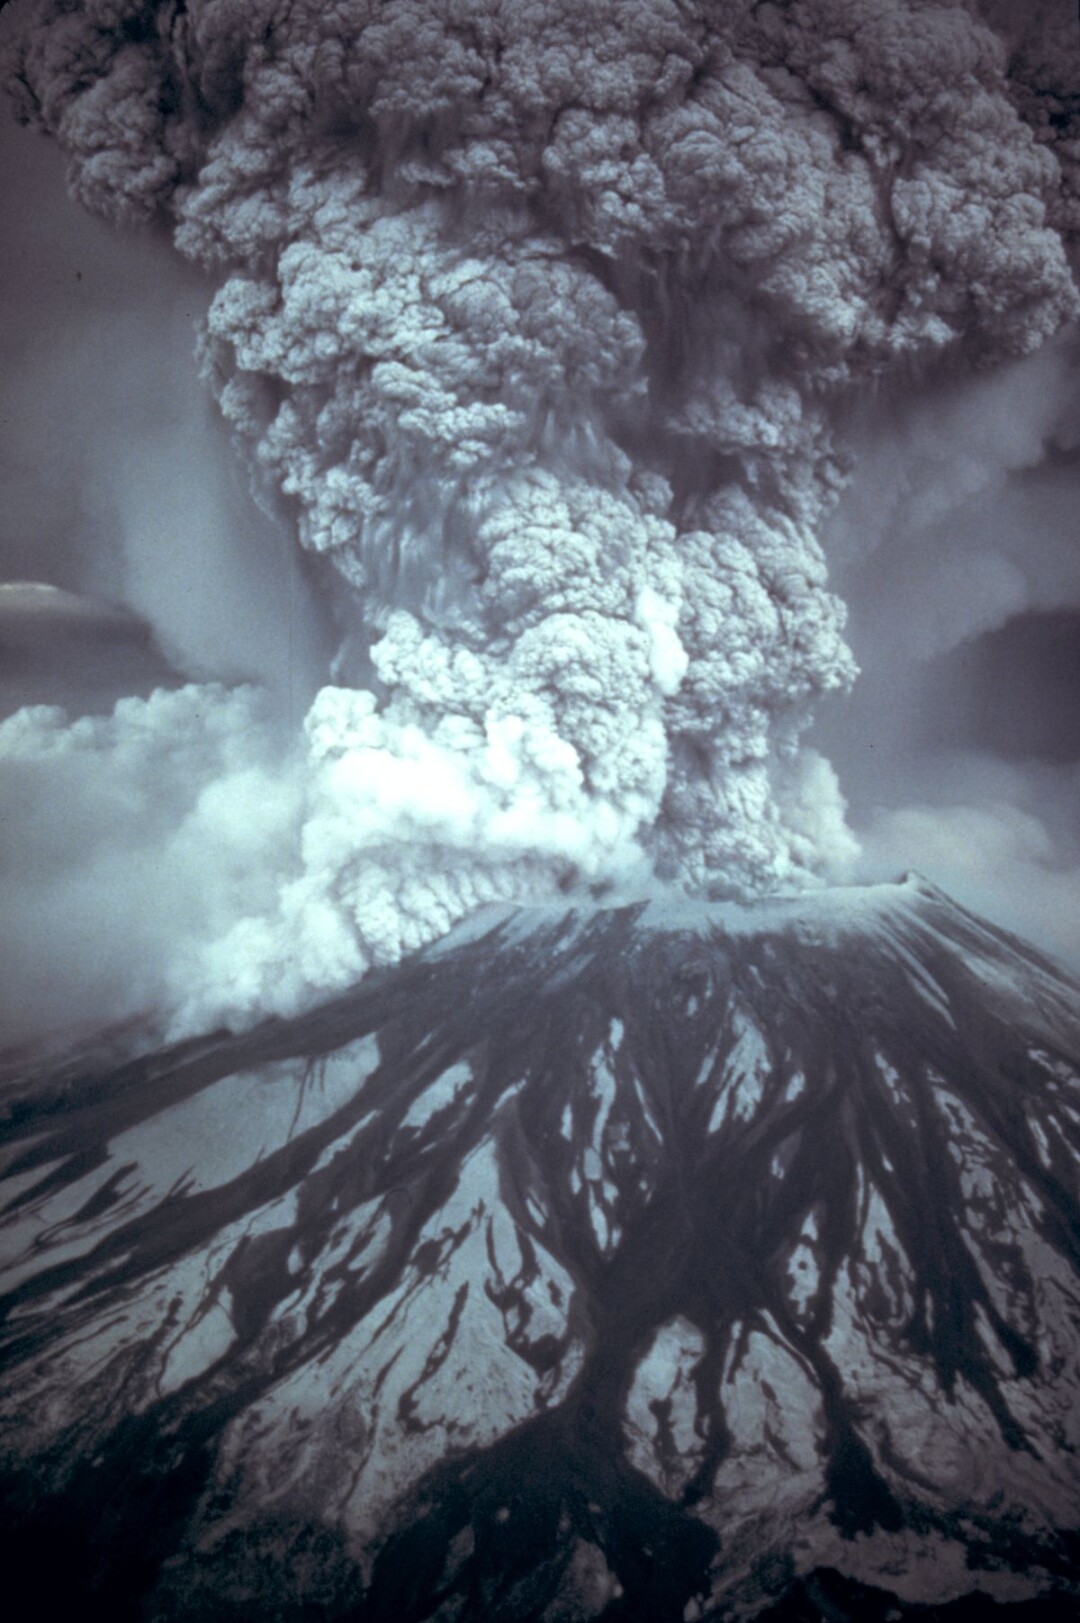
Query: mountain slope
[633, 1262]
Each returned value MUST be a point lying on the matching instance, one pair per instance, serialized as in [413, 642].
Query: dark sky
[118, 479]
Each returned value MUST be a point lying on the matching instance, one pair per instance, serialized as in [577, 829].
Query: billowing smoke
[537, 317]
[954, 547]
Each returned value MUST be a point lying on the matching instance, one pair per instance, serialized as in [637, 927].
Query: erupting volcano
[471, 1153]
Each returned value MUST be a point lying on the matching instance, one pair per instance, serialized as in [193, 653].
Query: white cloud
[994, 857]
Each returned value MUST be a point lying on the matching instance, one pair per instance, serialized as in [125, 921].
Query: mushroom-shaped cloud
[536, 313]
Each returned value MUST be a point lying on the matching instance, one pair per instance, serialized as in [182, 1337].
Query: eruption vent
[536, 315]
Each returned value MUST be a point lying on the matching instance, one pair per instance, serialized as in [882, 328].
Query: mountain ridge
[742, 1236]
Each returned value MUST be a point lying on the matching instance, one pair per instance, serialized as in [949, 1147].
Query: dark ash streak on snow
[666, 1103]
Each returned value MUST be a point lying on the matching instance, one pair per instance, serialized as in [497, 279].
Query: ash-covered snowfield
[482, 1143]
[633, 1263]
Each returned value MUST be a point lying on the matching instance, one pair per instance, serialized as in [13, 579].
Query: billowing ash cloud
[954, 548]
[536, 316]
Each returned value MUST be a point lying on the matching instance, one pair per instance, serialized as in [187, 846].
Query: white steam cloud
[960, 520]
[537, 317]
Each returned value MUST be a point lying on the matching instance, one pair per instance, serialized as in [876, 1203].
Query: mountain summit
[661, 1262]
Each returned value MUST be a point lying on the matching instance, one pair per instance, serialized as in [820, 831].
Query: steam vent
[652, 1263]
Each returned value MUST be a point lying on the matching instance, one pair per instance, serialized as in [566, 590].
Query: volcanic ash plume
[535, 316]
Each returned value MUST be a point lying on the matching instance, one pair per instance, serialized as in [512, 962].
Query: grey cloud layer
[537, 315]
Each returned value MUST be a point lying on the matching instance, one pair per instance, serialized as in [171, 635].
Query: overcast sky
[113, 451]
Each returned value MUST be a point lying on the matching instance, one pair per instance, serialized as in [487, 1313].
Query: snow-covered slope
[638, 1262]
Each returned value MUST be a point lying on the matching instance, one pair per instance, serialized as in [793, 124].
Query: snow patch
[448, 1090]
[665, 1434]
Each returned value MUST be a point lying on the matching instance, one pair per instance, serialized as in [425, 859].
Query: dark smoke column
[536, 316]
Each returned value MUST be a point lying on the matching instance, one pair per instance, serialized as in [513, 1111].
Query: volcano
[665, 1261]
